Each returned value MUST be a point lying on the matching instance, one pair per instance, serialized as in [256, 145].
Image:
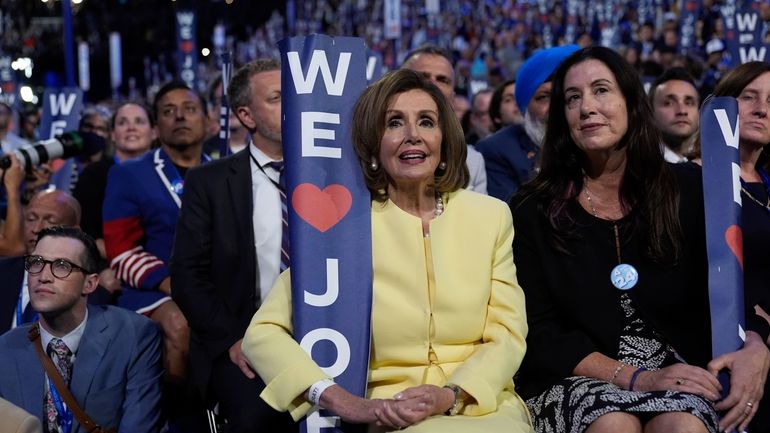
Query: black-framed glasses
[60, 268]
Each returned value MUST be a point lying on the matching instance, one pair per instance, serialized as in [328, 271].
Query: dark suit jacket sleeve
[12, 270]
[553, 349]
[191, 281]
[141, 407]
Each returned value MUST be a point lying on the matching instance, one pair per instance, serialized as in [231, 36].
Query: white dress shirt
[671, 156]
[72, 340]
[266, 220]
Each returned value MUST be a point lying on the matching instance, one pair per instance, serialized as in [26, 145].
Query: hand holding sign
[748, 370]
[321, 80]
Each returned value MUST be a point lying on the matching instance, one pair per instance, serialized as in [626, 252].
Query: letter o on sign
[339, 341]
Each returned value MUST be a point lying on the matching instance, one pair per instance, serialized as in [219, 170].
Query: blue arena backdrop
[329, 216]
[724, 236]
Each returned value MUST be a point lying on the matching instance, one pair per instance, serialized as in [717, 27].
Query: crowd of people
[488, 41]
[538, 253]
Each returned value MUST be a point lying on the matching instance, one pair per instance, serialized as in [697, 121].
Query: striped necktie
[278, 166]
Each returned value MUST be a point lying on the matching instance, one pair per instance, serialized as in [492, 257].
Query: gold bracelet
[616, 372]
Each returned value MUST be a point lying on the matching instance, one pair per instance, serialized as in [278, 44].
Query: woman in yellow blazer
[448, 321]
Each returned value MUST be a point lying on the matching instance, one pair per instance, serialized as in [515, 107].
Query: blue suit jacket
[115, 378]
[509, 156]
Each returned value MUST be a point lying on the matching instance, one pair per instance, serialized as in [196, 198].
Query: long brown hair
[648, 191]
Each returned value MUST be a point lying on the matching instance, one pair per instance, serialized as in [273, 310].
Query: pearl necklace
[439, 205]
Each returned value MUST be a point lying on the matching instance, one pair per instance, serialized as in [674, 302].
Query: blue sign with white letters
[187, 54]
[724, 236]
[743, 32]
[61, 113]
[329, 213]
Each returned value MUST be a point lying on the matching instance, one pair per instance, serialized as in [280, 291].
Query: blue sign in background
[8, 85]
[724, 238]
[187, 54]
[687, 29]
[374, 66]
[329, 216]
[743, 32]
[61, 113]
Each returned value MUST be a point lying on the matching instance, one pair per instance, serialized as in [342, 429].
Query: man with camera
[11, 237]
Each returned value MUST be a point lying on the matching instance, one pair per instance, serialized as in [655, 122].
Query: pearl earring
[374, 165]
[442, 165]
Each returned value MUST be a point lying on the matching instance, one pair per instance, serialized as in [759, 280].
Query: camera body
[66, 145]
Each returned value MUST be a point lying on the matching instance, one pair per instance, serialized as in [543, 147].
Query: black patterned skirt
[572, 404]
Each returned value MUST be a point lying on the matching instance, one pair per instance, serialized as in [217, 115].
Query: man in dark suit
[112, 356]
[228, 252]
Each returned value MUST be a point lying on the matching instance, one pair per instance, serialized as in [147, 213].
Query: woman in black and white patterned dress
[612, 260]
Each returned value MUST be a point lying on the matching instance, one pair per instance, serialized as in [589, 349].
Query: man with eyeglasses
[109, 357]
[46, 209]
[140, 211]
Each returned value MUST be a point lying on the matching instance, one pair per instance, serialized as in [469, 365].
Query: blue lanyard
[20, 310]
[171, 173]
[64, 414]
[173, 176]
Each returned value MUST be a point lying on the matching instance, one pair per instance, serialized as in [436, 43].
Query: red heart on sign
[322, 209]
[186, 47]
[734, 239]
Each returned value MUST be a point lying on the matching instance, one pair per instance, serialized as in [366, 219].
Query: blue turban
[536, 70]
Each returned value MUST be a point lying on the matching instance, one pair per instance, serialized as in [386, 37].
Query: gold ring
[680, 381]
[749, 404]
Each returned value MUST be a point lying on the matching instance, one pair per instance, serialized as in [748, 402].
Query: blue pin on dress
[624, 276]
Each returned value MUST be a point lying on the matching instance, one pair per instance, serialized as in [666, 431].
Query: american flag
[224, 111]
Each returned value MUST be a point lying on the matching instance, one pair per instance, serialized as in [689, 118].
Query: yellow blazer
[446, 309]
